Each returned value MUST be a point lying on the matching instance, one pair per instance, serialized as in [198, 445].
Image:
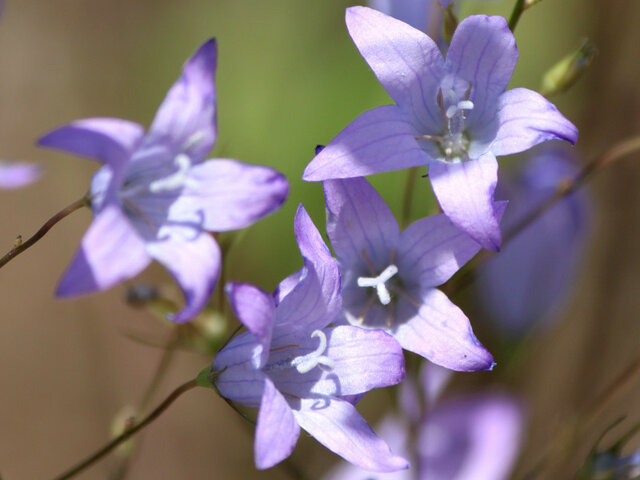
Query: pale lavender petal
[256, 310]
[236, 378]
[465, 193]
[195, 265]
[420, 14]
[111, 251]
[359, 220]
[526, 119]
[186, 120]
[108, 140]
[432, 249]
[379, 140]
[221, 195]
[338, 426]
[471, 438]
[285, 286]
[434, 380]
[18, 174]
[361, 360]
[407, 62]
[438, 330]
[277, 431]
[483, 53]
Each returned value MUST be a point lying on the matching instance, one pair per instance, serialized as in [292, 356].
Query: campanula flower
[298, 371]
[452, 115]
[526, 283]
[18, 174]
[389, 277]
[156, 197]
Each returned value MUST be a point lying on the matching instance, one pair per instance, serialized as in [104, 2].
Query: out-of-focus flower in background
[524, 285]
[18, 174]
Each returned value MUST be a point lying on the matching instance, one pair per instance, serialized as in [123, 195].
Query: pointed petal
[186, 120]
[224, 195]
[379, 140]
[18, 174]
[338, 426]
[526, 119]
[277, 431]
[483, 52]
[108, 140]
[285, 287]
[407, 62]
[256, 310]
[465, 193]
[358, 219]
[431, 250]
[111, 251]
[439, 331]
[417, 13]
[195, 265]
[361, 360]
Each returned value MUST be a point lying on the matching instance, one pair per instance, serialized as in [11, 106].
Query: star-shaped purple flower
[298, 371]
[156, 197]
[389, 277]
[452, 115]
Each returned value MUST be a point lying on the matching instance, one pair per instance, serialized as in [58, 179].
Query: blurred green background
[288, 78]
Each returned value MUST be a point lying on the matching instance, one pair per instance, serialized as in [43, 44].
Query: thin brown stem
[22, 246]
[91, 459]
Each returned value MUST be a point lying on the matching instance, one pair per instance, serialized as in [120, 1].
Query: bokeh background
[288, 78]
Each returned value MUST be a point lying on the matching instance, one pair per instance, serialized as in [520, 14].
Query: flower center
[380, 283]
[306, 363]
[177, 179]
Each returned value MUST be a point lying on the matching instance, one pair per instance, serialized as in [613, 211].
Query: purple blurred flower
[18, 174]
[295, 369]
[525, 284]
[389, 277]
[452, 115]
[155, 197]
[421, 14]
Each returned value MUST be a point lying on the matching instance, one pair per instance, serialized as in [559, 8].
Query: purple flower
[295, 369]
[18, 174]
[389, 277]
[155, 197]
[525, 284]
[452, 115]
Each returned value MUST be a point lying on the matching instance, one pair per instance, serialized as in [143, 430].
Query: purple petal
[111, 251]
[285, 286]
[439, 331]
[338, 426]
[222, 195]
[108, 140]
[483, 52]
[434, 380]
[431, 250]
[359, 220]
[471, 438]
[256, 310]
[18, 175]
[195, 265]
[379, 140]
[465, 193]
[526, 119]
[361, 360]
[237, 376]
[186, 120]
[407, 62]
[277, 431]
[420, 14]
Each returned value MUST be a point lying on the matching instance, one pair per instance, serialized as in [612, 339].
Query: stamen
[459, 107]
[379, 283]
[308, 362]
[175, 180]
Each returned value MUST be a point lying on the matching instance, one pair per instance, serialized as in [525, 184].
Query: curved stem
[18, 249]
[87, 462]
[518, 8]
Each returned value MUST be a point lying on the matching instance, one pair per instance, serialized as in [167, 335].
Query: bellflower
[389, 277]
[18, 174]
[526, 283]
[298, 371]
[156, 197]
[452, 115]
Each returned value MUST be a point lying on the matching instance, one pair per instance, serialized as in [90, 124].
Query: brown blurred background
[288, 78]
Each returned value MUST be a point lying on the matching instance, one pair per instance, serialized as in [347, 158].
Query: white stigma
[379, 283]
[306, 363]
[175, 180]
[460, 107]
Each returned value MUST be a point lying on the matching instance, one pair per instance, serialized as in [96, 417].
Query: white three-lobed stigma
[379, 283]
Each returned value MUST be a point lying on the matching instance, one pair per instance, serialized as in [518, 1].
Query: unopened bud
[567, 71]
